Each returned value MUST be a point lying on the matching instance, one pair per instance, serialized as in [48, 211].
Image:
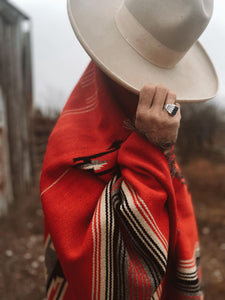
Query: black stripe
[145, 254]
[123, 273]
[106, 254]
[116, 244]
[118, 256]
[192, 287]
[144, 231]
[87, 159]
[187, 283]
[187, 276]
[61, 289]
[154, 261]
[109, 246]
[151, 262]
[146, 237]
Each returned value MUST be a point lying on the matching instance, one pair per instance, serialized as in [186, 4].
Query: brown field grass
[207, 184]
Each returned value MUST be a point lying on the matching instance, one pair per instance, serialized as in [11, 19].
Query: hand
[153, 121]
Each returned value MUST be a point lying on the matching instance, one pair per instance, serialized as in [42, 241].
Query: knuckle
[162, 87]
[140, 116]
[148, 88]
[173, 95]
[171, 92]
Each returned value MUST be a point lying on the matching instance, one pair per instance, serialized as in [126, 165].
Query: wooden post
[16, 84]
[6, 190]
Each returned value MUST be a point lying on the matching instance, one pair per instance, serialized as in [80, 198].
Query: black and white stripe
[127, 241]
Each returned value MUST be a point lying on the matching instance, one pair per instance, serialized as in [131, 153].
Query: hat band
[144, 42]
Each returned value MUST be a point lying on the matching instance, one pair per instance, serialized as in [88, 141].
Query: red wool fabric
[117, 225]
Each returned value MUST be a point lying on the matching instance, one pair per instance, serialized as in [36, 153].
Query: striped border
[129, 250]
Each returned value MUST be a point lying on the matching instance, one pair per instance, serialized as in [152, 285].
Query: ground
[21, 244]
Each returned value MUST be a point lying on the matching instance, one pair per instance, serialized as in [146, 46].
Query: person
[119, 220]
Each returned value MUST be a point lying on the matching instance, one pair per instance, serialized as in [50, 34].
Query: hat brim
[193, 79]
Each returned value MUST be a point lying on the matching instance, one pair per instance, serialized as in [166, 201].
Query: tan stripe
[87, 84]
[86, 109]
[98, 250]
[106, 239]
[89, 72]
[81, 108]
[91, 98]
[93, 257]
[55, 182]
[87, 79]
[63, 292]
[153, 222]
[103, 245]
[143, 223]
[149, 216]
[53, 285]
[187, 270]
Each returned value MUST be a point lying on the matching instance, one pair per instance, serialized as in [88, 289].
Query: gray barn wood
[16, 87]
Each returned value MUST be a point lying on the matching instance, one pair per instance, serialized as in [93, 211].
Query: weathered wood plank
[16, 84]
[6, 190]
[10, 13]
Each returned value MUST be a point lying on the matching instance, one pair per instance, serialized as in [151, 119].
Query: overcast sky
[59, 60]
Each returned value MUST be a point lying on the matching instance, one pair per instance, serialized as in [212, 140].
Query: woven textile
[117, 224]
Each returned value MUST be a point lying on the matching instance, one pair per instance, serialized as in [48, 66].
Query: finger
[171, 111]
[160, 97]
[178, 114]
[146, 96]
[171, 98]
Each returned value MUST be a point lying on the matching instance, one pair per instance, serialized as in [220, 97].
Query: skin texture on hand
[153, 121]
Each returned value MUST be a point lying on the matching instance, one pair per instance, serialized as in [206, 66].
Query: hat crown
[177, 24]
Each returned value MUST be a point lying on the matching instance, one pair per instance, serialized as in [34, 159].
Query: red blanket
[117, 225]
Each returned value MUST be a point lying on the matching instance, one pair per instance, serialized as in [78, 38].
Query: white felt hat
[136, 42]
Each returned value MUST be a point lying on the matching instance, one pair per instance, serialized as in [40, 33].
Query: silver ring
[172, 109]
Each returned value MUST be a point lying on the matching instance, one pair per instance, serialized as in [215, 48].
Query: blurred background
[40, 62]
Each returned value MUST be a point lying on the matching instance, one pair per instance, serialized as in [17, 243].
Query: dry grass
[207, 184]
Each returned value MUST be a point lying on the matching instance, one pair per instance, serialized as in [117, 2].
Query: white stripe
[87, 76]
[102, 227]
[87, 79]
[154, 224]
[93, 256]
[149, 216]
[158, 293]
[56, 181]
[187, 262]
[91, 98]
[90, 104]
[145, 226]
[92, 107]
[96, 246]
[98, 243]
[87, 84]
[134, 225]
[187, 271]
[190, 278]
[89, 72]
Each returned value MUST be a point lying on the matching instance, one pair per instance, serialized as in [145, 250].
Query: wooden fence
[42, 127]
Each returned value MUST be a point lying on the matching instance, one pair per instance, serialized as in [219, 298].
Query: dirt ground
[21, 243]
